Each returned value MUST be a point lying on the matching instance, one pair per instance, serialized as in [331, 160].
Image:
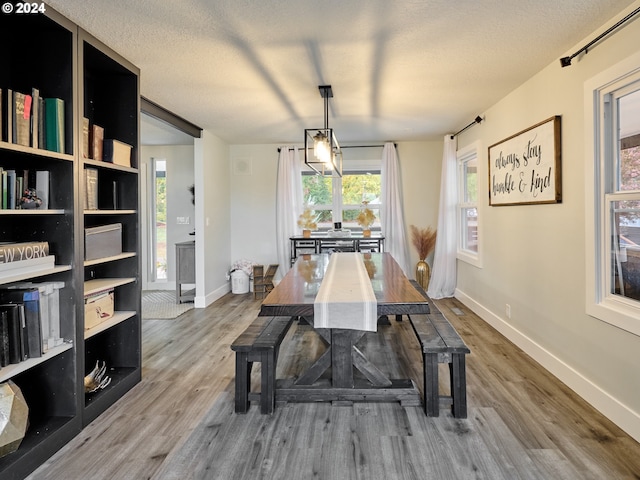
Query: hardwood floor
[178, 423]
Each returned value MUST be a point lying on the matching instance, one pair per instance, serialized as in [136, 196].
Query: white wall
[213, 225]
[253, 195]
[420, 167]
[534, 255]
[179, 177]
[253, 170]
[206, 165]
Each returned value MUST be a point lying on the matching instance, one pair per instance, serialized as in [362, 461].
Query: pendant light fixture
[321, 149]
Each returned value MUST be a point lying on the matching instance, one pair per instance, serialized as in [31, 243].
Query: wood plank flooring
[178, 423]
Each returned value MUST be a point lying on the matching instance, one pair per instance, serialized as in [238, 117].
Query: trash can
[239, 282]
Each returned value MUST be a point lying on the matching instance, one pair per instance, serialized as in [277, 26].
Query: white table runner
[345, 298]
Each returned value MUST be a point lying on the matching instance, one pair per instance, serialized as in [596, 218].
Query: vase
[366, 233]
[423, 274]
[14, 413]
[306, 233]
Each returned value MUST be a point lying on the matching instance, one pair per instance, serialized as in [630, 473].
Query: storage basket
[239, 282]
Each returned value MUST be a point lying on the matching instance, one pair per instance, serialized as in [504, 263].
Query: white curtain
[443, 272]
[288, 204]
[392, 213]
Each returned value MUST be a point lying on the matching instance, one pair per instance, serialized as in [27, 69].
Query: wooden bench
[260, 342]
[441, 343]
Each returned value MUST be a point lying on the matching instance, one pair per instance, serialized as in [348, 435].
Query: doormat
[161, 305]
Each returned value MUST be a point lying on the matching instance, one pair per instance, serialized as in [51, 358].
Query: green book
[54, 124]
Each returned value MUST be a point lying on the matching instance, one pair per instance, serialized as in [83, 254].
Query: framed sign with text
[526, 168]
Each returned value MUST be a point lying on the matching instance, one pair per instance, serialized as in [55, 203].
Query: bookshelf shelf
[106, 325]
[122, 380]
[10, 371]
[98, 261]
[87, 80]
[100, 284]
[12, 147]
[19, 277]
[109, 166]
[110, 212]
[33, 449]
[58, 211]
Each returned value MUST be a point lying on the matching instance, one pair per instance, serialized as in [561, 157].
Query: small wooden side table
[185, 270]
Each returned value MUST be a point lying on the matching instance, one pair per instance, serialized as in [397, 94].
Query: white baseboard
[618, 413]
[209, 298]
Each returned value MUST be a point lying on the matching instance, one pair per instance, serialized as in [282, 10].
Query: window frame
[601, 190]
[337, 206]
[157, 165]
[331, 207]
[463, 157]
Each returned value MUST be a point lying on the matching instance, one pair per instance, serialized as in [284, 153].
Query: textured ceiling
[249, 70]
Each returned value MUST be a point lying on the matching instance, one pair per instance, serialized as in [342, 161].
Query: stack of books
[29, 321]
[31, 120]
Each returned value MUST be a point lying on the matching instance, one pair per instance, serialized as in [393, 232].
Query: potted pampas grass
[424, 239]
[306, 222]
[365, 219]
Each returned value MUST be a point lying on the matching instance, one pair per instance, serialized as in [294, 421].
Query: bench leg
[458, 378]
[268, 381]
[431, 392]
[243, 382]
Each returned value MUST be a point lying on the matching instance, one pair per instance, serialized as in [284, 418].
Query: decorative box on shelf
[103, 241]
[98, 307]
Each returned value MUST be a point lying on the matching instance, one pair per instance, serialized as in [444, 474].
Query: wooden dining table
[295, 295]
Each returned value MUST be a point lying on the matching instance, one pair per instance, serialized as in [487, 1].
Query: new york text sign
[526, 167]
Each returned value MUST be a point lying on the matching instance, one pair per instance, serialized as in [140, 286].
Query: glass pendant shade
[322, 152]
[321, 149]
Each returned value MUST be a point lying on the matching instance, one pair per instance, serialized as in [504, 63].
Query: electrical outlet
[508, 310]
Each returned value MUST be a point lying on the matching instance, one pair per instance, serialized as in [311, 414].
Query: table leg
[316, 370]
[342, 342]
[368, 369]
[342, 356]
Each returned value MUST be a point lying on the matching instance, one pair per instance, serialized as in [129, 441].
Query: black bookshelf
[63, 61]
[109, 97]
[49, 383]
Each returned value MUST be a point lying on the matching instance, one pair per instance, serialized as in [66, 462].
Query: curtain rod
[566, 61]
[347, 146]
[478, 119]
